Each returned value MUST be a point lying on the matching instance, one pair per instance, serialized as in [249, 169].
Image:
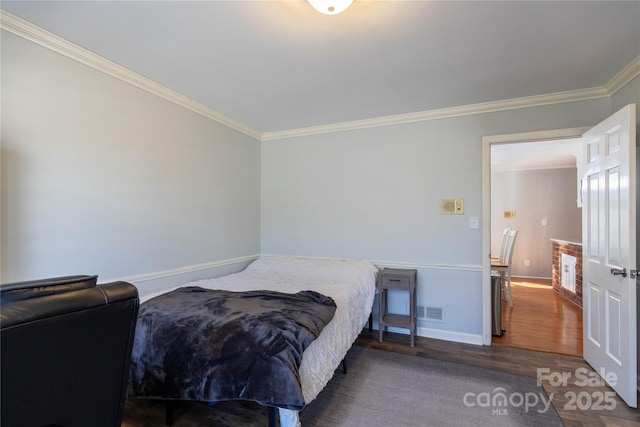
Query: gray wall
[535, 195]
[100, 177]
[375, 193]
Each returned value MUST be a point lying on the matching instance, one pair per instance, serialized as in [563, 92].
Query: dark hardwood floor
[576, 404]
[567, 399]
[524, 362]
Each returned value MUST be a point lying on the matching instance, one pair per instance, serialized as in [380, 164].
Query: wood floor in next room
[540, 319]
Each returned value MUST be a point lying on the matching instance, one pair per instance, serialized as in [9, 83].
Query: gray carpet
[390, 389]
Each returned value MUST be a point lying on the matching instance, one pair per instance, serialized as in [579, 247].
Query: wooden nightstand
[394, 278]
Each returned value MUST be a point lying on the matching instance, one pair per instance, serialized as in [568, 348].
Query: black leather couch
[65, 348]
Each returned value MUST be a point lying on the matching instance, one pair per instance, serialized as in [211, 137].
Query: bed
[349, 283]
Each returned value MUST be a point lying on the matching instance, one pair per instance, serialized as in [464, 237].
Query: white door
[609, 251]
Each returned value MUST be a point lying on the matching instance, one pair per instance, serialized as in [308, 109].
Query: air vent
[420, 311]
[434, 313]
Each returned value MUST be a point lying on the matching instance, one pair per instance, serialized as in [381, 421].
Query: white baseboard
[439, 334]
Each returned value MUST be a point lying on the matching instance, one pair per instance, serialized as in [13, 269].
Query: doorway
[534, 191]
[524, 286]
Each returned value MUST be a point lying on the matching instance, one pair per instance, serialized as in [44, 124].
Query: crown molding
[442, 113]
[44, 38]
[35, 34]
[625, 75]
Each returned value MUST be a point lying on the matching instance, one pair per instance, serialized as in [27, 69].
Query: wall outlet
[527, 263]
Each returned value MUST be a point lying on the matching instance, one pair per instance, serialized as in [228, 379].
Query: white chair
[503, 264]
[503, 246]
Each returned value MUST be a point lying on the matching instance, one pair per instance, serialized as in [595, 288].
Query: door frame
[487, 141]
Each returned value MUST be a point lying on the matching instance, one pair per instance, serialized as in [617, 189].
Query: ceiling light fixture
[330, 7]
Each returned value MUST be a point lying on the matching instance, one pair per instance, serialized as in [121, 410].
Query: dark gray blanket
[213, 345]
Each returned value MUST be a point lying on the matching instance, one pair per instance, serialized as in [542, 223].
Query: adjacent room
[534, 189]
[365, 156]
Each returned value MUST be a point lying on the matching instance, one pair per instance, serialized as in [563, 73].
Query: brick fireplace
[573, 249]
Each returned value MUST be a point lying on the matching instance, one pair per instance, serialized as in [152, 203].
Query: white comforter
[351, 283]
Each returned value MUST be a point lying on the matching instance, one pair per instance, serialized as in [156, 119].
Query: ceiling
[280, 65]
[535, 155]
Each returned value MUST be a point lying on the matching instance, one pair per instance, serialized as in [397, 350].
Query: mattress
[351, 283]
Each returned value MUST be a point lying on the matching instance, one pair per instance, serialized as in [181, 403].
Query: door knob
[619, 272]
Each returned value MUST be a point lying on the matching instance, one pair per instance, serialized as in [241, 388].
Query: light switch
[474, 222]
